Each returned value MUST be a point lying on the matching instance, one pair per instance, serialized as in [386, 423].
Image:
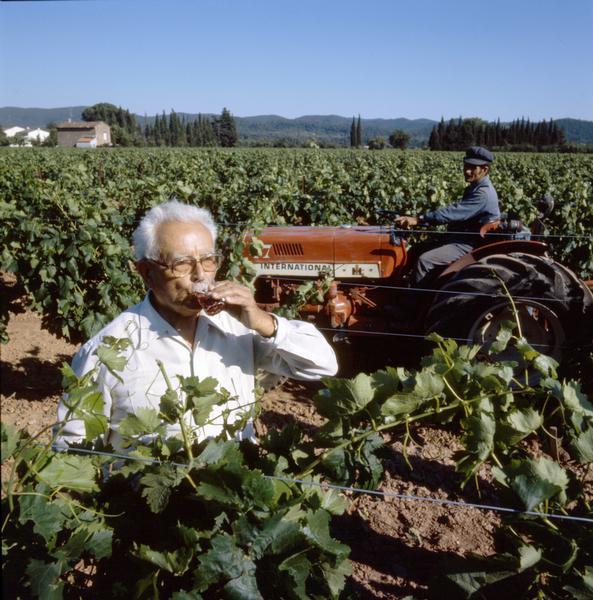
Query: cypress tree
[227, 130]
[358, 132]
[353, 133]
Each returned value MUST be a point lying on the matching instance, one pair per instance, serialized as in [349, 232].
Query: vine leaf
[224, 561]
[74, 472]
[518, 425]
[142, 421]
[528, 557]
[298, 567]
[10, 437]
[176, 562]
[201, 397]
[157, 487]
[582, 446]
[44, 579]
[48, 517]
[317, 532]
[335, 576]
[344, 397]
[535, 481]
[170, 406]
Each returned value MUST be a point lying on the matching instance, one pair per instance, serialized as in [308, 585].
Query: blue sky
[398, 58]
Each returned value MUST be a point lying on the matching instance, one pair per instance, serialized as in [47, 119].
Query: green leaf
[298, 567]
[277, 536]
[245, 586]
[170, 406]
[518, 425]
[584, 588]
[335, 576]
[143, 421]
[428, 384]
[317, 532]
[73, 472]
[48, 517]
[526, 420]
[223, 452]
[257, 488]
[217, 491]
[344, 397]
[546, 365]
[535, 481]
[157, 487]
[387, 383]
[503, 337]
[100, 543]
[529, 556]
[478, 436]
[202, 407]
[43, 577]
[401, 404]
[575, 400]
[10, 437]
[111, 358]
[176, 562]
[224, 561]
[582, 446]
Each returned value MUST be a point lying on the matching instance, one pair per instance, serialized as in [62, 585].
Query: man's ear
[144, 270]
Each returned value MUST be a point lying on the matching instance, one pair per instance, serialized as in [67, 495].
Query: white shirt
[223, 349]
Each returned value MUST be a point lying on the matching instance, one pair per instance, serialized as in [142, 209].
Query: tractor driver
[478, 206]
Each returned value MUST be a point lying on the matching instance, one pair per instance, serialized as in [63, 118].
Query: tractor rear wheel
[553, 305]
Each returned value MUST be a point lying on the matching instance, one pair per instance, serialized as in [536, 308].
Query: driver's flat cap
[476, 155]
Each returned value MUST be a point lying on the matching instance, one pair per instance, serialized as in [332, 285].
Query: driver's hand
[406, 222]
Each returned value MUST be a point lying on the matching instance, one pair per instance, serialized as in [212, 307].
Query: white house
[22, 136]
[37, 134]
[12, 131]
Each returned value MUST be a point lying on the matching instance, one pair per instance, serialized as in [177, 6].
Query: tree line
[520, 134]
[165, 130]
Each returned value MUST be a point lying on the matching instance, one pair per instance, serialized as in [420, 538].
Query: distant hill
[576, 130]
[38, 117]
[332, 129]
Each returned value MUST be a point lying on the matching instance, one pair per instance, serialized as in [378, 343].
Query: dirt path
[395, 543]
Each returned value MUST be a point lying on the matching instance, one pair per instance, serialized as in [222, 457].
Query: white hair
[144, 237]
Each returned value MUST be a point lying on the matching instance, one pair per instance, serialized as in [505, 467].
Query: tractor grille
[287, 249]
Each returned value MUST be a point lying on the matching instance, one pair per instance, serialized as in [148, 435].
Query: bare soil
[396, 543]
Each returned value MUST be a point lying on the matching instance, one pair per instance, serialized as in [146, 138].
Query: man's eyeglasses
[187, 265]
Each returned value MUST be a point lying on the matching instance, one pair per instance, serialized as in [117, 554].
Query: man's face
[178, 240]
[473, 173]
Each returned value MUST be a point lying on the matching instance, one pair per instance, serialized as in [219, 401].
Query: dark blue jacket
[478, 206]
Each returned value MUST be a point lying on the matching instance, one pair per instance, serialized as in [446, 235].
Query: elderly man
[175, 251]
[478, 206]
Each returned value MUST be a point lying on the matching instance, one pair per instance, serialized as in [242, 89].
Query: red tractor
[370, 266]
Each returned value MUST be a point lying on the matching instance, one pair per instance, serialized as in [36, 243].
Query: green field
[69, 214]
[237, 520]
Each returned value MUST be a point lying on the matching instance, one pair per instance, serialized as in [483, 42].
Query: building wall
[69, 137]
[103, 132]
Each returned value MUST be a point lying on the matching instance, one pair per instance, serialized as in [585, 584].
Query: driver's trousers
[437, 257]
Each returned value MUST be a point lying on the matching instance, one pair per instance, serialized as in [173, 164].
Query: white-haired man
[174, 246]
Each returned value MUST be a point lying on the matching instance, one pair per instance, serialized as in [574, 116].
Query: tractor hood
[345, 252]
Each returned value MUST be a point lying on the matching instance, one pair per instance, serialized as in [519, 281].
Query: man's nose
[198, 271]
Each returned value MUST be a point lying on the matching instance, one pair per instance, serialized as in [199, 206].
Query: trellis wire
[350, 489]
